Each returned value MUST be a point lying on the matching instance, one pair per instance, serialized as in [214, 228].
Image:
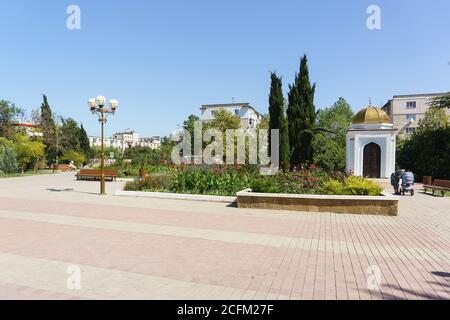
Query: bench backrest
[62, 166]
[94, 172]
[441, 183]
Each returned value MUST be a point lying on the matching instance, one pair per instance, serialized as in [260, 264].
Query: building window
[410, 130]
[214, 112]
[236, 112]
[412, 117]
[251, 122]
[411, 105]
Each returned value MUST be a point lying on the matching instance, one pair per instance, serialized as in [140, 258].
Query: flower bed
[227, 181]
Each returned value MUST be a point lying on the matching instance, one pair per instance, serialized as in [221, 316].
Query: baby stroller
[407, 183]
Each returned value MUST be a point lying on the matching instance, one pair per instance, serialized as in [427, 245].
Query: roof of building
[229, 105]
[419, 95]
[371, 115]
[226, 105]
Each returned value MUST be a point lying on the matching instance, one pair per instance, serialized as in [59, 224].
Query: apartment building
[248, 115]
[128, 139]
[405, 111]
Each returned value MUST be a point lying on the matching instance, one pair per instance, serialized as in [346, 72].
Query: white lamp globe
[91, 103]
[114, 104]
[100, 100]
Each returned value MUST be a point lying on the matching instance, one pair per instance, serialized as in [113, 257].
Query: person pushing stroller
[395, 180]
[406, 178]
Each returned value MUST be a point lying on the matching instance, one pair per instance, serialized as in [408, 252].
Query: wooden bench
[62, 168]
[92, 174]
[438, 185]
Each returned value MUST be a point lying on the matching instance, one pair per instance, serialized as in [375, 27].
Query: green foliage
[27, 150]
[362, 186]
[84, 143]
[265, 185]
[352, 185]
[223, 120]
[188, 125]
[434, 118]
[427, 151]
[301, 115]
[8, 161]
[213, 182]
[278, 120]
[9, 113]
[227, 181]
[442, 102]
[48, 127]
[329, 146]
[71, 155]
[300, 180]
[333, 187]
[70, 136]
[153, 182]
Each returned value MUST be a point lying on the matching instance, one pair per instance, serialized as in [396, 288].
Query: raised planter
[378, 205]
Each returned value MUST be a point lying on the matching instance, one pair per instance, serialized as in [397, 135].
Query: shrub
[265, 185]
[332, 187]
[362, 187]
[152, 182]
[351, 186]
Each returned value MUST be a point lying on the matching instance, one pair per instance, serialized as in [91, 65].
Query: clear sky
[163, 59]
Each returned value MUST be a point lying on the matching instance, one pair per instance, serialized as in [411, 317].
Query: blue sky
[163, 59]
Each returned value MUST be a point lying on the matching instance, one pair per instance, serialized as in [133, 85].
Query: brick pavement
[132, 248]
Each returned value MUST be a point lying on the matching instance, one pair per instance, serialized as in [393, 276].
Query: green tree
[8, 161]
[48, 127]
[71, 155]
[69, 138]
[301, 115]
[427, 151]
[9, 113]
[84, 143]
[224, 120]
[27, 150]
[329, 146]
[442, 102]
[434, 118]
[277, 118]
[188, 125]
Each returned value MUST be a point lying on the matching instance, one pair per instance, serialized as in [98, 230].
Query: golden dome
[371, 115]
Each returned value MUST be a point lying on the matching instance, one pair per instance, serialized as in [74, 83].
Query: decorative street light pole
[98, 106]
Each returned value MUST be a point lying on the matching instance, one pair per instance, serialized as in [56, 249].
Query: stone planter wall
[380, 205]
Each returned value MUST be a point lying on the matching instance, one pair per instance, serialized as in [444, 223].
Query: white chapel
[371, 144]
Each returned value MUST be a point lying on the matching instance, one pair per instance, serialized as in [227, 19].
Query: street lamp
[98, 106]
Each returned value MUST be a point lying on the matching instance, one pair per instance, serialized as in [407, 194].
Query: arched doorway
[372, 161]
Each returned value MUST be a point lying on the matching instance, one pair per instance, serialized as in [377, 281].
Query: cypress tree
[301, 115]
[47, 125]
[84, 143]
[277, 118]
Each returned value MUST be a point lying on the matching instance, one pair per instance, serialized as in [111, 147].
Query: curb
[174, 196]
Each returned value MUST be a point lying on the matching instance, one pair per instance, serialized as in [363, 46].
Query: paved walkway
[54, 228]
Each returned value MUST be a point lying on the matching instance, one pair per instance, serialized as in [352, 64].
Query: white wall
[357, 140]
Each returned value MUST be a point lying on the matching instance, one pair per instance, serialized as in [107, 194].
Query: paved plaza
[133, 248]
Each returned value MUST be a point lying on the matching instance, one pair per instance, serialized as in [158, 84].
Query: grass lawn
[26, 173]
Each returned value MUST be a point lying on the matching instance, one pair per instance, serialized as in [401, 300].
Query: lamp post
[98, 106]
